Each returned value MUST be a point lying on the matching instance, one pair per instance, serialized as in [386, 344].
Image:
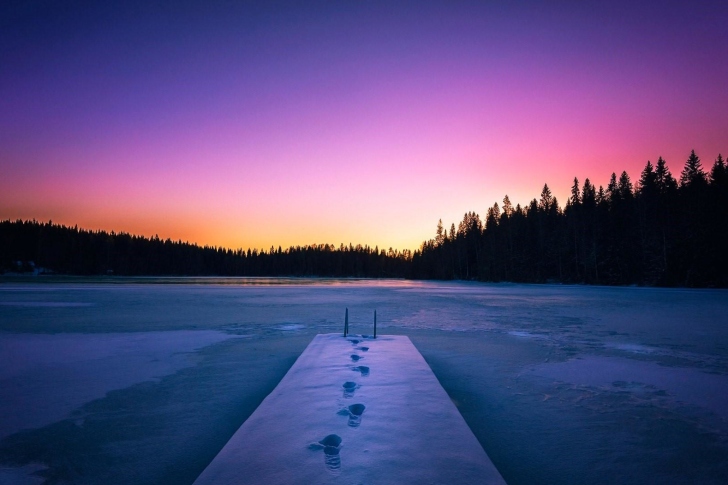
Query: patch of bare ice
[634, 348]
[78, 368]
[518, 333]
[688, 385]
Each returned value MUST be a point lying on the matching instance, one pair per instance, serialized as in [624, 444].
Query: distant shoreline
[43, 279]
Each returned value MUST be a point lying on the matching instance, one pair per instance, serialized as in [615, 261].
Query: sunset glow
[267, 124]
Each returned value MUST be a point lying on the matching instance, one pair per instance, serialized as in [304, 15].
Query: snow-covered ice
[142, 381]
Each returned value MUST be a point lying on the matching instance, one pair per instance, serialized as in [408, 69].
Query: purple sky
[251, 125]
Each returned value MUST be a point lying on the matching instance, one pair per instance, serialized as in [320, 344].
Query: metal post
[375, 324]
[346, 322]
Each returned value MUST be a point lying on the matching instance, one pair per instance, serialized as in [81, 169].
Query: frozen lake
[144, 381]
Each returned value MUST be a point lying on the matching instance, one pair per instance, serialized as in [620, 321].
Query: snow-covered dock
[354, 410]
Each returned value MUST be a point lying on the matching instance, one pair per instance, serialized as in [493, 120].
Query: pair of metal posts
[346, 323]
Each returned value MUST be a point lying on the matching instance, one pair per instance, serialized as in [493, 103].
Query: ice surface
[58, 304]
[401, 426]
[687, 385]
[23, 475]
[560, 384]
[45, 377]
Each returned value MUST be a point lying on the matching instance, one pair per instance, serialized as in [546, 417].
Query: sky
[258, 124]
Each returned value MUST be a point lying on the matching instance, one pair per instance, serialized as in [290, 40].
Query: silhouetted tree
[546, 199]
[439, 238]
[692, 173]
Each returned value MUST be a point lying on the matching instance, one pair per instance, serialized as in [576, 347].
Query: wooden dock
[355, 410]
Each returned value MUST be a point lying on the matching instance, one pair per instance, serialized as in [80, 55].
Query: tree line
[27, 246]
[658, 231]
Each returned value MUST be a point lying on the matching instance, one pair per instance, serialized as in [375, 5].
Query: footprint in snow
[354, 412]
[349, 388]
[331, 446]
[364, 370]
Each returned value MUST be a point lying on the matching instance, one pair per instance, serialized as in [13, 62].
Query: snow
[395, 425]
[145, 382]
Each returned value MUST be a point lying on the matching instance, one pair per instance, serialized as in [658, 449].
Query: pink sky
[337, 124]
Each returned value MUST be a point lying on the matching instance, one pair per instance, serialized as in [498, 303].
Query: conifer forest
[658, 230]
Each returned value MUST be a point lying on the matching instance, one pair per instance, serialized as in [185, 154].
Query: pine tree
[612, 189]
[666, 183]
[625, 186]
[492, 217]
[546, 198]
[692, 173]
[575, 196]
[588, 193]
[692, 219]
[649, 226]
[439, 238]
[589, 231]
[648, 179]
[718, 206]
[719, 172]
[507, 207]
